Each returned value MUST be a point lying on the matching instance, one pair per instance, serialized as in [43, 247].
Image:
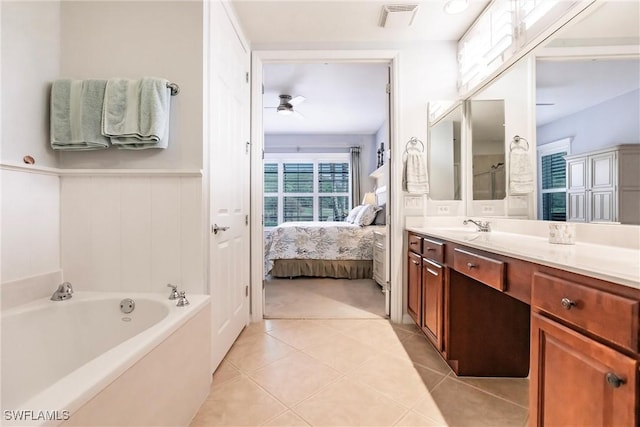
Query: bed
[320, 249]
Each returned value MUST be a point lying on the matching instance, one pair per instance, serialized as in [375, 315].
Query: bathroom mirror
[587, 99]
[444, 156]
[488, 149]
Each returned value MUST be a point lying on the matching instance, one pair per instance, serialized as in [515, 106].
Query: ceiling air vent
[397, 15]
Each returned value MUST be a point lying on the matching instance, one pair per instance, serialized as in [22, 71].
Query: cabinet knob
[471, 265]
[567, 303]
[614, 380]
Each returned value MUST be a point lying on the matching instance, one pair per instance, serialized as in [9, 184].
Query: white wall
[117, 232]
[30, 243]
[132, 39]
[30, 224]
[132, 233]
[30, 61]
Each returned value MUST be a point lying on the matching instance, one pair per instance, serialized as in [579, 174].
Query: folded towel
[136, 113]
[414, 174]
[520, 172]
[76, 115]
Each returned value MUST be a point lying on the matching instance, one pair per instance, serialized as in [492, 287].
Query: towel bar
[175, 89]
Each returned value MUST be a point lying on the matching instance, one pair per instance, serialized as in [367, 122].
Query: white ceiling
[322, 21]
[341, 98]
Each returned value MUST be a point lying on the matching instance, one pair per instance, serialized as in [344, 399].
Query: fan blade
[297, 100]
[298, 116]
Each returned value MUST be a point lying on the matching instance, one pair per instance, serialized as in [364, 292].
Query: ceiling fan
[286, 105]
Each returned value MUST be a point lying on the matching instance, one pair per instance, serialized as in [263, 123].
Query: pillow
[366, 215]
[381, 215]
[353, 214]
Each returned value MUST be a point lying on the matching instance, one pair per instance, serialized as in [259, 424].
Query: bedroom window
[552, 180]
[301, 188]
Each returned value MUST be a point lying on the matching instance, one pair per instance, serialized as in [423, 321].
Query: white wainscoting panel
[129, 233]
[30, 224]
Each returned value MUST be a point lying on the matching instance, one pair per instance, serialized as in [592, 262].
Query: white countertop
[611, 263]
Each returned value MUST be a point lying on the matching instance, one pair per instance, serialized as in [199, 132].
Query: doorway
[294, 153]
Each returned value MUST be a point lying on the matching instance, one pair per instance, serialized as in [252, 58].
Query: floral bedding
[325, 240]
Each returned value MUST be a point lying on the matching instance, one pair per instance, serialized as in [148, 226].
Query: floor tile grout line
[456, 378]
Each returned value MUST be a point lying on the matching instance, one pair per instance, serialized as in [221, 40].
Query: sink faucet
[63, 292]
[481, 225]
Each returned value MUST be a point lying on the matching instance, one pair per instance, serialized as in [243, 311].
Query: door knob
[215, 228]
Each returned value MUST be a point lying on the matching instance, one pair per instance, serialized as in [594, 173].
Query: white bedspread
[319, 240]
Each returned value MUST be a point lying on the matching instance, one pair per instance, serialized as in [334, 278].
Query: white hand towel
[76, 115]
[136, 113]
[415, 178]
[520, 173]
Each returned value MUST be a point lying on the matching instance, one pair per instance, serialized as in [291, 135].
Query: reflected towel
[136, 113]
[415, 179]
[76, 115]
[520, 173]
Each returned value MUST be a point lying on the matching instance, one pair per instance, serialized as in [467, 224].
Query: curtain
[356, 197]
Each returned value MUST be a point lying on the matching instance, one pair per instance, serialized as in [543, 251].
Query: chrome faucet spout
[63, 292]
[483, 226]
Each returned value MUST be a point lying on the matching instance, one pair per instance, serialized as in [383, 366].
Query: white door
[229, 128]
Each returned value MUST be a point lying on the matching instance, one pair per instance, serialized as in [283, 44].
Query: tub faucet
[182, 299]
[481, 225]
[174, 291]
[63, 292]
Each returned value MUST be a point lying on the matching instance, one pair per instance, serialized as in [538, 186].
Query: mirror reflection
[488, 149]
[444, 157]
[587, 104]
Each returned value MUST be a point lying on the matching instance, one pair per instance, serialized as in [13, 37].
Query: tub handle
[174, 291]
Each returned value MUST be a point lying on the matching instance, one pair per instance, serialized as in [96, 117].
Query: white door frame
[395, 230]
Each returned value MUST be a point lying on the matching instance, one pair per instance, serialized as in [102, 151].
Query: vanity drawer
[486, 270]
[415, 243]
[604, 314]
[433, 250]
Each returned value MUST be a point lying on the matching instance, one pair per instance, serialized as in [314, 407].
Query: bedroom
[325, 138]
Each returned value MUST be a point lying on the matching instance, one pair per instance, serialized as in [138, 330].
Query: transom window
[306, 187]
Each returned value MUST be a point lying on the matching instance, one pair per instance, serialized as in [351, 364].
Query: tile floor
[351, 373]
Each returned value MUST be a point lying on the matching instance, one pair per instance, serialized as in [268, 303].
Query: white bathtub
[59, 356]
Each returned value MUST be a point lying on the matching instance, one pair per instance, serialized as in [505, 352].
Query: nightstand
[379, 258]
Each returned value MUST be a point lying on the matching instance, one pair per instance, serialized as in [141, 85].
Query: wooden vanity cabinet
[584, 353]
[432, 293]
[414, 287]
[425, 286]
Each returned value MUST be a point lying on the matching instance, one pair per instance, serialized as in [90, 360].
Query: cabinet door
[432, 291]
[576, 381]
[577, 206]
[414, 287]
[602, 206]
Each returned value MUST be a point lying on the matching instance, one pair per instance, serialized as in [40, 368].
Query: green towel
[136, 113]
[76, 115]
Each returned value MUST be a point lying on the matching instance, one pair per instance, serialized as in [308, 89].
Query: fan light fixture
[453, 7]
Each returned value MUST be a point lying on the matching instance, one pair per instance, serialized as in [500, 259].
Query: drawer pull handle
[430, 249]
[415, 262]
[413, 243]
[471, 265]
[567, 303]
[614, 380]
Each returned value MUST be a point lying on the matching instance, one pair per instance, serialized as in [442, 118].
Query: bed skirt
[345, 269]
